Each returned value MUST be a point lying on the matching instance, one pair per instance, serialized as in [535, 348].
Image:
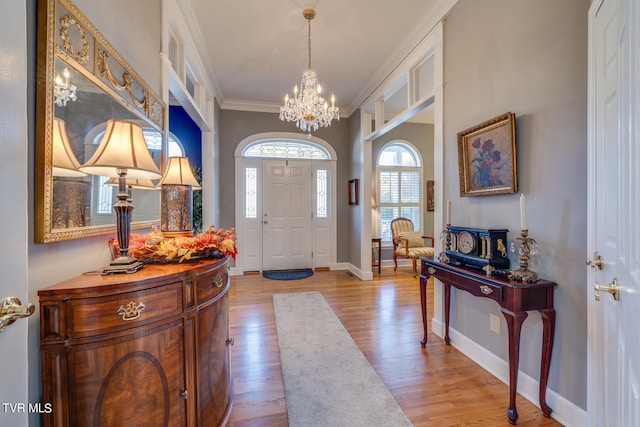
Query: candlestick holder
[445, 236]
[526, 247]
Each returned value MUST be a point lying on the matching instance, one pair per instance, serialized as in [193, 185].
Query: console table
[146, 349]
[514, 298]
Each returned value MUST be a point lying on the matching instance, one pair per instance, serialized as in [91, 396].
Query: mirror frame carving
[60, 24]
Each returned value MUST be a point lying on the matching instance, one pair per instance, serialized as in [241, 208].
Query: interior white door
[614, 342]
[287, 215]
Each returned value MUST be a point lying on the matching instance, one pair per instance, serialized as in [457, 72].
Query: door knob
[596, 262]
[11, 309]
[265, 221]
[613, 288]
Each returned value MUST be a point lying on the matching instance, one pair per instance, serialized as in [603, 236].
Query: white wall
[13, 215]
[530, 58]
[136, 34]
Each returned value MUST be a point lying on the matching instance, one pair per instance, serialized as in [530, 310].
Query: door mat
[287, 274]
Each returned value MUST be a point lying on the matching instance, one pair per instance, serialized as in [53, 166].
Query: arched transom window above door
[286, 149]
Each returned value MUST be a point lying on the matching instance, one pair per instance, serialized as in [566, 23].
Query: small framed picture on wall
[430, 196]
[353, 192]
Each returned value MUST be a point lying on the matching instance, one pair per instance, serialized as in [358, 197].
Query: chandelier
[307, 108]
[63, 91]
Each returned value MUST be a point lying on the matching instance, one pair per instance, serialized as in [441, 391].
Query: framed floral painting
[487, 157]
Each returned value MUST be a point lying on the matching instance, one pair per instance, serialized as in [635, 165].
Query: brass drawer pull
[486, 290]
[431, 270]
[132, 311]
[218, 282]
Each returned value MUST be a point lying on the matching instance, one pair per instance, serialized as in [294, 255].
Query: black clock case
[487, 250]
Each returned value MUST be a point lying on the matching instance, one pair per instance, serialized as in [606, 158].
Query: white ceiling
[256, 49]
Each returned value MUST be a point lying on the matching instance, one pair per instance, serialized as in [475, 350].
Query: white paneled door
[614, 209]
[287, 215]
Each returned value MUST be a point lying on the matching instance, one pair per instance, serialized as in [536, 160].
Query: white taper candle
[523, 214]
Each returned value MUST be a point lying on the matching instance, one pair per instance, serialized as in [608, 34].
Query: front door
[286, 215]
[614, 209]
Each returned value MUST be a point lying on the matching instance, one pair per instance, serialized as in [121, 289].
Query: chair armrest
[401, 240]
[430, 238]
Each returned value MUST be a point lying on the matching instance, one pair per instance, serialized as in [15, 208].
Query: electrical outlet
[494, 323]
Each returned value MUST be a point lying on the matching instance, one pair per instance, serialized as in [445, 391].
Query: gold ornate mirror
[82, 82]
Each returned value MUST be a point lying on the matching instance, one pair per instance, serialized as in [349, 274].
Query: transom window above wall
[287, 149]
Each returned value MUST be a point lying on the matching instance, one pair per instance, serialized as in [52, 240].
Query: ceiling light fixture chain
[307, 108]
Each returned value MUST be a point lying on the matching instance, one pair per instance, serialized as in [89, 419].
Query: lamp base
[123, 264]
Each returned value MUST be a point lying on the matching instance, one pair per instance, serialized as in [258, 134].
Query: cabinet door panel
[213, 374]
[136, 380]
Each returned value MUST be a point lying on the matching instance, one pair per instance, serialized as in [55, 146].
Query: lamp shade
[140, 184]
[122, 147]
[179, 172]
[64, 161]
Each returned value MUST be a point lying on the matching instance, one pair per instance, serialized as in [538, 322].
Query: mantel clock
[475, 247]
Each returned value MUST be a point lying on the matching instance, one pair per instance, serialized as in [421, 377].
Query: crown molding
[387, 74]
[196, 53]
[259, 107]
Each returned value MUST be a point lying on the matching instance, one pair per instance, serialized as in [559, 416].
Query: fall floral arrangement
[154, 247]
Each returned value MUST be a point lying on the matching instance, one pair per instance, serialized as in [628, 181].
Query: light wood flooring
[436, 386]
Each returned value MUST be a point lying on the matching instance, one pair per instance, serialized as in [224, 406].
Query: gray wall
[234, 126]
[136, 34]
[530, 58]
[421, 136]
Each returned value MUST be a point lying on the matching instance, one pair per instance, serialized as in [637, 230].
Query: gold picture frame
[487, 157]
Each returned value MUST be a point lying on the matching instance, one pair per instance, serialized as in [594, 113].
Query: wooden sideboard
[144, 349]
[514, 298]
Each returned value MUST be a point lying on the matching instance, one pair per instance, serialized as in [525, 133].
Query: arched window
[399, 189]
[286, 149]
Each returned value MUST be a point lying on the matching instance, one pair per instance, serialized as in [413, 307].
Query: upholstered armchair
[408, 243]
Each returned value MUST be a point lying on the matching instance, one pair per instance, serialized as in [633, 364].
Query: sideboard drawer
[100, 315]
[211, 284]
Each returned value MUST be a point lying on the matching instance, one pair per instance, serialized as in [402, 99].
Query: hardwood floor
[436, 386]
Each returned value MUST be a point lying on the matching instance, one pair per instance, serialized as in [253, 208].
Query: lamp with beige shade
[176, 198]
[122, 153]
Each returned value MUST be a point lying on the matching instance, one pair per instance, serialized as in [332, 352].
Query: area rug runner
[287, 274]
[328, 382]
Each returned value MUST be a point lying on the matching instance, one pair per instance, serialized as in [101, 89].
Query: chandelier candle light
[307, 108]
[63, 90]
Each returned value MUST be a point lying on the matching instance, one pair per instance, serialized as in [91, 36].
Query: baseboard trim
[359, 273]
[564, 411]
[339, 266]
